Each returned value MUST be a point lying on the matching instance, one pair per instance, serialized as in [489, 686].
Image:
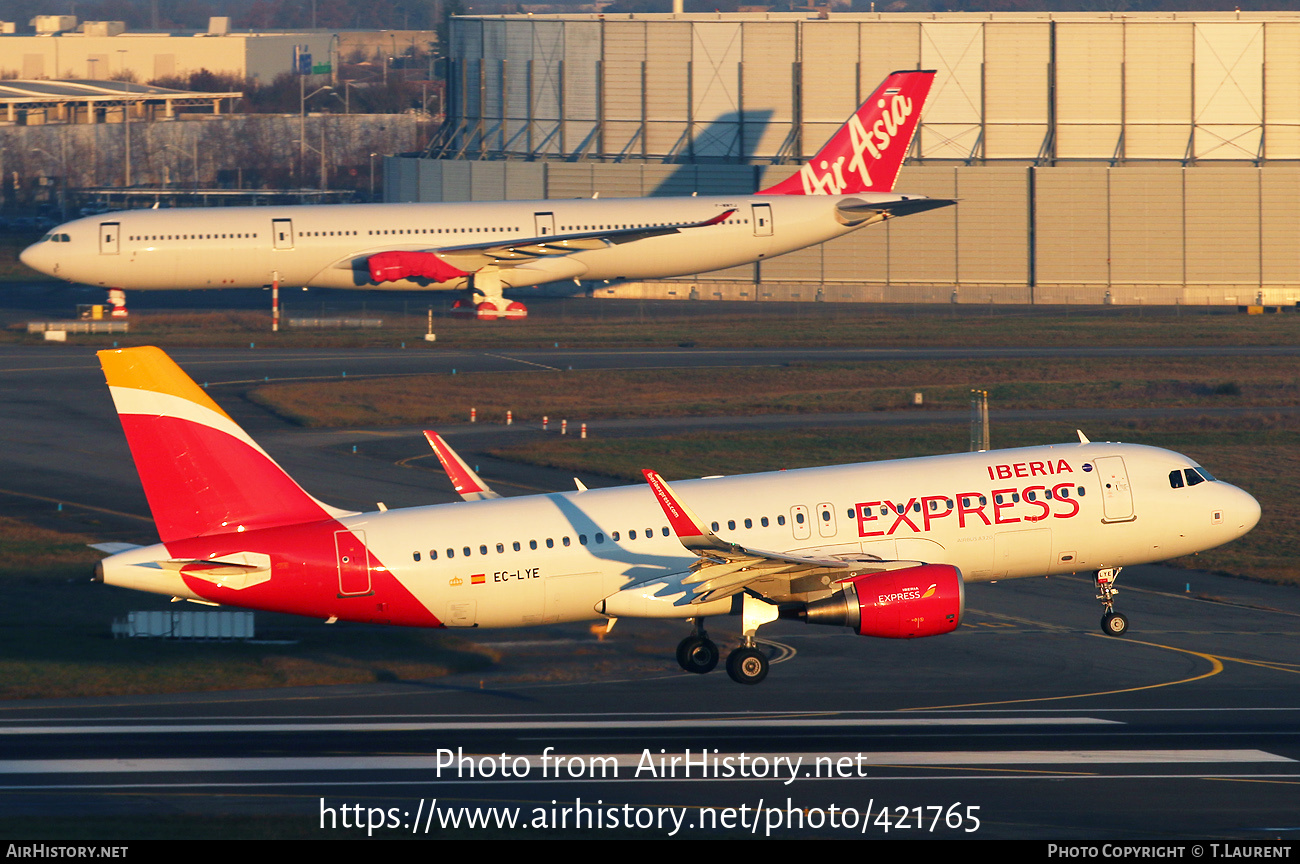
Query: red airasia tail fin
[867, 152]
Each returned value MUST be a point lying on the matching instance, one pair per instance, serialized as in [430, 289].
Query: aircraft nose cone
[1249, 510]
[36, 256]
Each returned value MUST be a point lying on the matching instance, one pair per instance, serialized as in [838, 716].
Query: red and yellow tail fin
[867, 152]
[201, 472]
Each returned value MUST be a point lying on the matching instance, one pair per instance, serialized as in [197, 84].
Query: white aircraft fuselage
[488, 248]
[326, 246]
[575, 556]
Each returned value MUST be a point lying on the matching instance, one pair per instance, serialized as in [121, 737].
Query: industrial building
[64, 48]
[1097, 157]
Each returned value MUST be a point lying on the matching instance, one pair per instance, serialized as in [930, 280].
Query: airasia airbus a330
[485, 248]
[882, 548]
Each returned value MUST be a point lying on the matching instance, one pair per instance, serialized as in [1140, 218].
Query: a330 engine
[895, 604]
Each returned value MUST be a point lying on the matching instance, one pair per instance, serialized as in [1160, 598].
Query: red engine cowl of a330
[895, 604]
[397, 265]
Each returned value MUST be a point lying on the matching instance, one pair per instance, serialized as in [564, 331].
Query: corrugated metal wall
[739, 87]
[1112, 111]
[1066, 234]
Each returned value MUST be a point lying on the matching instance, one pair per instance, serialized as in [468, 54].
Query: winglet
[470, 486]
[685, 524]
[1083, 439]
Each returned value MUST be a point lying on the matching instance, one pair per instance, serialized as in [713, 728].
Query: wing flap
[723, 568]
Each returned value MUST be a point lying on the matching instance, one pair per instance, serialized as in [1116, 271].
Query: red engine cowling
[897, 604]
[397, 265]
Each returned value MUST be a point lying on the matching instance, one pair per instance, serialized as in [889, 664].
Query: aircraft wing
[468, 257]
[723, 568]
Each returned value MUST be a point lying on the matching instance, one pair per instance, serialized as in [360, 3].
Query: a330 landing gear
[697, 653]
[484, 300]
[1112, 622]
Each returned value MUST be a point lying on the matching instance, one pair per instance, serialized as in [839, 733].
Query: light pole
[303, 146]
[62, 180]
[372, 176]
[126, 114]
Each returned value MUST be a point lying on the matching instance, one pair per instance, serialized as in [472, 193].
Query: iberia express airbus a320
[486, 248]
[883, 548]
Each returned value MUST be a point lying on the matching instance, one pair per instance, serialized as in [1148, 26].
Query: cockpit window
[1189, 477]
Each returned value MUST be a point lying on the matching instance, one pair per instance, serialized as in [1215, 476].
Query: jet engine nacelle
[398, 264]
[895, 604]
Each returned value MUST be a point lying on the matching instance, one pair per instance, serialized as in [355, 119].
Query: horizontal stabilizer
[114, 548]
[856, 212]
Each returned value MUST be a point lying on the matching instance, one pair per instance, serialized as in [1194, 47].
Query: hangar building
[1098, 158]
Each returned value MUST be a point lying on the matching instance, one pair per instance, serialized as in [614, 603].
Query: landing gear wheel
[698, 655]
[747, 665]
[1114, 624]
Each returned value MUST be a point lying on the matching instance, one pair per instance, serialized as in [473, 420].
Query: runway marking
[1216, 666]
[1274, 665]
[731, 723]
[517, 360]
[75, 504]
[613, 763]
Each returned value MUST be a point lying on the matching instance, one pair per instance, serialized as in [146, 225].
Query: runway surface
[1026, 723]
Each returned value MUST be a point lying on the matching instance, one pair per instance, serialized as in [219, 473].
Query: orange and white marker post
[275, 301]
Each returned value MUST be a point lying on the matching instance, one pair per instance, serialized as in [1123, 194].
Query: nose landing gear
[1112, 623]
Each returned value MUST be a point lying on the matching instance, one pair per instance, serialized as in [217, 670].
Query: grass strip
[789, 389]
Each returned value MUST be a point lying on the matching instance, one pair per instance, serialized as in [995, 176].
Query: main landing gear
[484, 299]
[747, 664]
[1112, 623]
[697, 653]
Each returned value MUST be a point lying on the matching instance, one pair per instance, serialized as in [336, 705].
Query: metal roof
[79, 90]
